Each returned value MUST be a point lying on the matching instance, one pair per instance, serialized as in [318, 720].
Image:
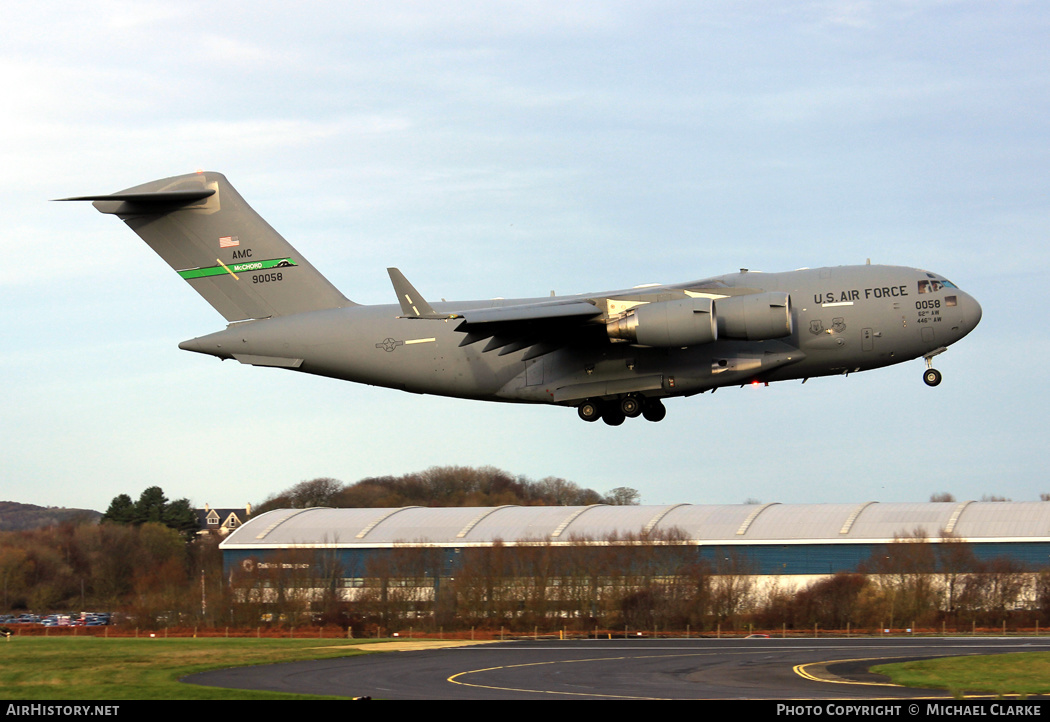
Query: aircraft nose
[971, 312]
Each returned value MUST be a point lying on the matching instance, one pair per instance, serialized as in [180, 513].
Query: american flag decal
[229, 242]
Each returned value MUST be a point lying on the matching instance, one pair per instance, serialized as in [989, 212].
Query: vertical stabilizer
[207, 233]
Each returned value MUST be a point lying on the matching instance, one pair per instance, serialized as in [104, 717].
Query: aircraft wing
[680, 315]
[541, 327]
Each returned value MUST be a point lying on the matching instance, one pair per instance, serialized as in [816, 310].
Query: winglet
[413, 305]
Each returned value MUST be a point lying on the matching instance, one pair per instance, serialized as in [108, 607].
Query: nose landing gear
[932, 376]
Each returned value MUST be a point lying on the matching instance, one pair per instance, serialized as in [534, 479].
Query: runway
[798, 669]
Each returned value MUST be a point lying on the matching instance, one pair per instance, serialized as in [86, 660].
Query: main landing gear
[615, 411]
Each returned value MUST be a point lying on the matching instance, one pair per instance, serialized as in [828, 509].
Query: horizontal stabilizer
[150, 198]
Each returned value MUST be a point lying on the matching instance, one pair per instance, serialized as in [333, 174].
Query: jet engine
[686, 322]
[694, 321]
[754, 317]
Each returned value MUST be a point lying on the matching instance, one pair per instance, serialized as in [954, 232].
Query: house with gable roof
[222, 521]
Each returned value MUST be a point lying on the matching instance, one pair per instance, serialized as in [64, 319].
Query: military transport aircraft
[612, 355]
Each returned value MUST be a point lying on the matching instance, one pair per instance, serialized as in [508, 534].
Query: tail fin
[205, 231]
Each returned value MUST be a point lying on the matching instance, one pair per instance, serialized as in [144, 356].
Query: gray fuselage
[843, 319]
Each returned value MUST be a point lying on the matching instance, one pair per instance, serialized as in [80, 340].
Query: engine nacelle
[685, 322]
[754, 317]
[694, 321]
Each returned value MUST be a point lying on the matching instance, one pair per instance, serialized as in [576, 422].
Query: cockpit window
[935, 285]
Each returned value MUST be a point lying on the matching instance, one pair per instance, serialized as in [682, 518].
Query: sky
[508, 149]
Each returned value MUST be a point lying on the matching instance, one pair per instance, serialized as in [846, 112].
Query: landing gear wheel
[589, 410]
[612, 415]
[631, 406]
[654, 410]
[932, 377]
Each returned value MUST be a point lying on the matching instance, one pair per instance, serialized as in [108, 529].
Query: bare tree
[904, 574]
[623, 496]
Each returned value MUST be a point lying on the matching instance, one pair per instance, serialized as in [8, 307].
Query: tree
[315, 492]
[121, 510]
[181, 517]
[733, 586]
[561, 492]
[443, 486]
[905, 576]
[957, 563]
[14, 571]
[832, 602]
[623, 496]
[150, 506]
[153, 506]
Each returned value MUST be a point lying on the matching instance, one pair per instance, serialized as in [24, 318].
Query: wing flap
[578, 310]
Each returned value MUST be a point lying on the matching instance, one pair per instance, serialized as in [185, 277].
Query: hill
[21, 517]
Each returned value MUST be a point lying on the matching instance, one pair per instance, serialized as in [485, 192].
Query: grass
[1022, 673]
[91, 668]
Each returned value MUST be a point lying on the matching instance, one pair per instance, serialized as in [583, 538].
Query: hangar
[765, 539]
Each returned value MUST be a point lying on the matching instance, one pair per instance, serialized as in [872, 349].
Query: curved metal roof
[864, 522]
